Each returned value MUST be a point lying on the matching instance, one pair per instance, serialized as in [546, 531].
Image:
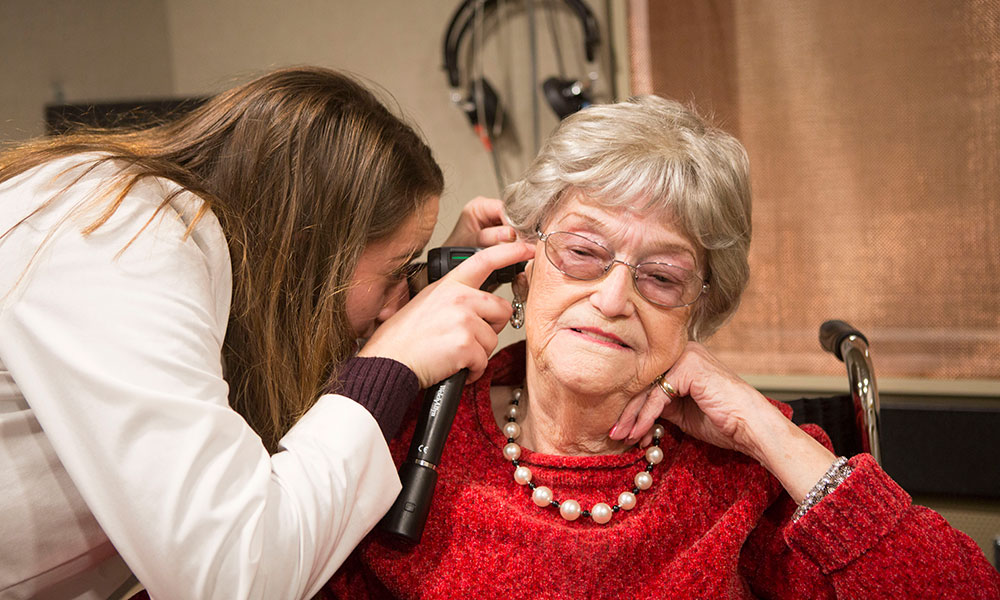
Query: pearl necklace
[570, 509]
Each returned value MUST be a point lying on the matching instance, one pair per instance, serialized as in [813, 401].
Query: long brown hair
[303, 168]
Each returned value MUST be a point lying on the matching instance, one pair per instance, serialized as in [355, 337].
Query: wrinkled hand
[481, 225]
[712, 404]
[451, 324]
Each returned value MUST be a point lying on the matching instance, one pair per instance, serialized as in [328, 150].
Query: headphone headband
[452, 40]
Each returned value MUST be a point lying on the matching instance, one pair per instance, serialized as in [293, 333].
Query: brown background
[873, 131]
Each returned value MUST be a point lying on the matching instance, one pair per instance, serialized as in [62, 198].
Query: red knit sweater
[715, 524]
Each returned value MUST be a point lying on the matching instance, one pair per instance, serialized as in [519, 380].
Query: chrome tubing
[850, 345]
[864, 390]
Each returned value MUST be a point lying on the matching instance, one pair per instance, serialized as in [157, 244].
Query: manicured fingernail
[611, 434]
[509, 235]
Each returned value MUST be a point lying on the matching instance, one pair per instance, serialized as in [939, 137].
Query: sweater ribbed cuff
[852, 519]
[382, 385]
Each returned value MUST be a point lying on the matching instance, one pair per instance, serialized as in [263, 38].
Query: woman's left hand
[715, 406]
[480, 225]
[712, 404]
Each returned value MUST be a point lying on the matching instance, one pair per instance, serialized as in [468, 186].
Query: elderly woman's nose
[613, 296]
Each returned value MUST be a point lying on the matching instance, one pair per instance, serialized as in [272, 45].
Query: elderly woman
[641, 214]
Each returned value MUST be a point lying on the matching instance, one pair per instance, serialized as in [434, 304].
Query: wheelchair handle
[851, 346]
[832, 335]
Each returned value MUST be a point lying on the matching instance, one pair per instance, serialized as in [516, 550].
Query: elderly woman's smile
[601, 337]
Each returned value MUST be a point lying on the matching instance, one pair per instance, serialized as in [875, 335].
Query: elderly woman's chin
[587, 362]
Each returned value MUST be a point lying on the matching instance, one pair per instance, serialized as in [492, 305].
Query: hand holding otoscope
[418, 472]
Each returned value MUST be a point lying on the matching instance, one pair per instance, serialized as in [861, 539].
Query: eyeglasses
[661, 284]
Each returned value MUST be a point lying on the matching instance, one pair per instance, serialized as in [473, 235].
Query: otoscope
[418, 473]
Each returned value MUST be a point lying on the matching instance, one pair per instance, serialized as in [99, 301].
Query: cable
[554, 34]
[612, 55]
[482, 128]
[503, 13]
[536, 128]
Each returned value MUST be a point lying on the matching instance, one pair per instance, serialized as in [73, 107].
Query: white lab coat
[117, 442]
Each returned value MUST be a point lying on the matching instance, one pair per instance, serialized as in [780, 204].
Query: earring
[517, 319]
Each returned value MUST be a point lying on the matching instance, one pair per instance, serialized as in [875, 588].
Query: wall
[64, 51]
[874, 172]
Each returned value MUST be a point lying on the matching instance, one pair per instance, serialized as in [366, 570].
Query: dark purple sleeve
[384, 386]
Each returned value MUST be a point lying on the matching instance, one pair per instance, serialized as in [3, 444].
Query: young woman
[181, 386]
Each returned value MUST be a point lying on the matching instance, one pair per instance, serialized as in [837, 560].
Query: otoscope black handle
[418, 473]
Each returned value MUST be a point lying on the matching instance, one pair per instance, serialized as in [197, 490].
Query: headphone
[565, 96]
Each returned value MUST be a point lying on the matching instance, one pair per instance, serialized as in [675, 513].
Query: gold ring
[665, 386]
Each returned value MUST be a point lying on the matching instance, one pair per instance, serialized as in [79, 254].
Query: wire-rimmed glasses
[661, 284]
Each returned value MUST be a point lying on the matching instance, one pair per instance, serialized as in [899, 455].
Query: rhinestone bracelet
[833, 477]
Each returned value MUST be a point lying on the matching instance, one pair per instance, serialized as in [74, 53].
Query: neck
[561, 421]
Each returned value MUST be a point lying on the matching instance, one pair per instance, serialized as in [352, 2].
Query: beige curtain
[873, 130]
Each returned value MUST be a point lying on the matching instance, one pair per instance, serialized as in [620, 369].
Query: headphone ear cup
[565, 96]
[491, 107]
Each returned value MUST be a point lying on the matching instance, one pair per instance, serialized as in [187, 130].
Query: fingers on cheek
[647, 416]
[630, 415]
[635, 406]
[690, 382]
[680, 376]
[623, 426]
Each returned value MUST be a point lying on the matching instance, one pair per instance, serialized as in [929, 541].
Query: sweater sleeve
[385, 387]
[871, 541]
[118, 355]
[865, 540]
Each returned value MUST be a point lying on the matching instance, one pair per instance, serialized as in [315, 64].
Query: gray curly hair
[659, 156]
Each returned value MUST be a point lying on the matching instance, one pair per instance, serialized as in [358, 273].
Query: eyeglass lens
[660, 283]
